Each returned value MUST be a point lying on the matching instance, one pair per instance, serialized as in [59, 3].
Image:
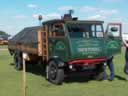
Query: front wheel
[54, 74]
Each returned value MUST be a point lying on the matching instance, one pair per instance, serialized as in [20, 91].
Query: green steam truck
[67, 44]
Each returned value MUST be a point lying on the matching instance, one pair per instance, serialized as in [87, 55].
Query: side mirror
[114, 29]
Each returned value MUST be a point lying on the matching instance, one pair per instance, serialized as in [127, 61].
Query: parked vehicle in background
[125, 36]
[3, 42]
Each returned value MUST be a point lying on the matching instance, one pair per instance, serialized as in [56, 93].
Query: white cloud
[35, 16]
[52, 16]
[88, 9]
[126, 23]
[7, 28]
[97, 17]
[117, 19]
[56, 15]
[20, 17]
[111, 1]
[108, 12]
[48, 16]
[32, 6]
[10, 27]
[91, 9]
[65, 8]
[98, 13]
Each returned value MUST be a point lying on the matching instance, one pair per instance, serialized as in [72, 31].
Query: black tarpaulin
[28, 36]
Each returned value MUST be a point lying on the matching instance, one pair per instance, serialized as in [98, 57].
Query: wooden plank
[40, 42]
[24, 49]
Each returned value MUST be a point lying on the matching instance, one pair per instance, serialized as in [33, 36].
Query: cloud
[98, 13]
[97, 17]
[98, 10]
[108, 12]
[48, 16]
[7, 28]
[56, 15]
[65, 8]
[35, 16]
[125, 23]
[104, 13]
[117, 19]
[88, 9]
[32, 6]
[20, 17]
[111, 1]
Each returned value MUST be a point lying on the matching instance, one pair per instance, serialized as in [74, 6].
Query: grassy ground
[11, 82]
[3, 46]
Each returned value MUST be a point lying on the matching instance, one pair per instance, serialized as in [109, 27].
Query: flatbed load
[28, 38]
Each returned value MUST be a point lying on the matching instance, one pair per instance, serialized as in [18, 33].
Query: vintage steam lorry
[67, 44]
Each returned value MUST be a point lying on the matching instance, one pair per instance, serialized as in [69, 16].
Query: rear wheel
[18, 60]
[54, 74]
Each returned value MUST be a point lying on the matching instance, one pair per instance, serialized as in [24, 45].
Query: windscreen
[80, 30]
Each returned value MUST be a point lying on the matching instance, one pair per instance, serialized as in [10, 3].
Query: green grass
[11, 82]
[3, 46]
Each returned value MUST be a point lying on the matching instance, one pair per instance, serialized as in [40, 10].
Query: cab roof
[72, 21]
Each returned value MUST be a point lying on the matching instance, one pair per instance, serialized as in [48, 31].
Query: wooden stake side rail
[24, 48]
[43, 43]
[40, 47]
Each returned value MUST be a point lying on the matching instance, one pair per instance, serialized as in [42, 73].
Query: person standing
[110, 65]
[126, 57]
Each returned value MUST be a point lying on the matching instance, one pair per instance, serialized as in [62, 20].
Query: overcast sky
[17, 14]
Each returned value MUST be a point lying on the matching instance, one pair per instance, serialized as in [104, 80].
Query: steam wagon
[67, 44]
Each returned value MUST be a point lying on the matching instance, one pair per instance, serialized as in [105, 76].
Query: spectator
[111, 68]
[126, 56]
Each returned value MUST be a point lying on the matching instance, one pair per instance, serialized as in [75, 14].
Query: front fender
[58, 61]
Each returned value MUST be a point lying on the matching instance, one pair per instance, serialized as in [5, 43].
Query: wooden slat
[40, 46]
[24, 49]
[45, 42]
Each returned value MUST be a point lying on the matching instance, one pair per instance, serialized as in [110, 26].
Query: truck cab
[76, 44]
[82, 40]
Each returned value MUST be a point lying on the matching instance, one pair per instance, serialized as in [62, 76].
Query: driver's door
[113, 38]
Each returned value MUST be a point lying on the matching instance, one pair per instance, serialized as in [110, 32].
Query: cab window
[79, 30]
[58, 30]
[97, 30]
[85, 30]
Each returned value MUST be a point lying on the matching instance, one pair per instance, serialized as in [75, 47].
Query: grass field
[11, 82]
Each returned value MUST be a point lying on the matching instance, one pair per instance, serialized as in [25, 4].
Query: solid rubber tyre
[54, 74]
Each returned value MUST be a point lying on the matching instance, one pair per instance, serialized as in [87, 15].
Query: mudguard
[58, 61]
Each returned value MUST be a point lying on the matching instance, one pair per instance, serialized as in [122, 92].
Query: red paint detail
[88, 61]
